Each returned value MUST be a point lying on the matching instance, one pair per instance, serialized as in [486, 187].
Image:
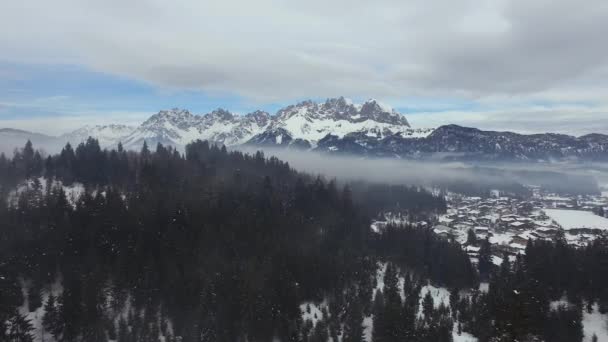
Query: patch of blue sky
[39, 90]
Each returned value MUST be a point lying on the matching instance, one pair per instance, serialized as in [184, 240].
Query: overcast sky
[525, 65]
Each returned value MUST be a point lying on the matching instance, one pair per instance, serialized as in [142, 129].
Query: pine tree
[391, 285]
[454, 300]
[378, 303]
[388, 325]
[428, 306]
[28, 160]
[319, 333]
[145, 151]
[123, 330]
[50, 321]
[485, 259]
[471, 238]
[19, 328]
[34, 299]
[353, 328]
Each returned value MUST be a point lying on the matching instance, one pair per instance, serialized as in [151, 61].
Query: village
[510, 222]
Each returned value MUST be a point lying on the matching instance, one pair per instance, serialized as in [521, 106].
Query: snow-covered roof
[473, 249]
[557, 198]
[517, 245]
[496, 260]
[441, 229]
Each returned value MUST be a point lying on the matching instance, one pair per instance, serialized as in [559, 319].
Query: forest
[217, 245]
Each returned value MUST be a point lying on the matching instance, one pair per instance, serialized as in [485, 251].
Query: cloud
[566, 119]
[429, 173]
[272, 50]
[57, 123]
[523, 65]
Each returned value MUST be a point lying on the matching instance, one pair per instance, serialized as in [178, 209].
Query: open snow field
[577, 219]
[595, 323]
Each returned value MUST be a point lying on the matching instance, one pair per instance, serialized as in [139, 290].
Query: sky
[521, 65]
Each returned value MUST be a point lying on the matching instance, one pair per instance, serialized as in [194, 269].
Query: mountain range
[336, 126]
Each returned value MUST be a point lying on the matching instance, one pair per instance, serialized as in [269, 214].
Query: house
[472, 251]
[481, 230]
[520, 240]
[444, 232]
[546, 231]
[486, 220]
[516, 248]
[445, 220]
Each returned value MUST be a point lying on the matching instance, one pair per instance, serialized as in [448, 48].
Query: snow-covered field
[440, 296]
[313, 312]
[463, 337]
[35, 318]
[72, 192]
[577, 219]
[595, 323]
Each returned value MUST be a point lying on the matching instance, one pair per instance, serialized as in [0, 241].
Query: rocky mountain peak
[181, 118]
[304, 124]
[260, 117]
[221, 114]
[340, 105]
[374, 110]
[341, 108]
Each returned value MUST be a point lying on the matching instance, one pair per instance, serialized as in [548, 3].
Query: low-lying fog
[557, 177]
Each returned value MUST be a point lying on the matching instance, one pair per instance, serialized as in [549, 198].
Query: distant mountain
[301, 125]
[15, 138]
[306, 123]
[179, 127]
[452, 142]
[336, 126]
[107, 135]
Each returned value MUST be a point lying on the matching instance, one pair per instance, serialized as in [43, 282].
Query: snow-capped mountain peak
[380, 112]
[336, 125]
[220, 114]
[311, 121]
[261, 118]
[181, 118]
[304, 124]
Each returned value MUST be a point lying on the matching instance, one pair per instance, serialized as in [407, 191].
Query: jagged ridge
[338, 126]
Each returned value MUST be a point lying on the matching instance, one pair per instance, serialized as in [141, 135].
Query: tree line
[217, 245]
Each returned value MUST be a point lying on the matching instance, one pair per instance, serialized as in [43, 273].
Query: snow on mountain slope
[301, 125]
[311, 121]
[178, 127]
[107, 135]
[230, 129]
[173, 127]
[336, 126]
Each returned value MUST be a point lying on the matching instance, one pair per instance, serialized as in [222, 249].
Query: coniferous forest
[217, 245]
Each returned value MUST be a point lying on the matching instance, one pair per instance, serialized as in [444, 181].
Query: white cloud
[63, 123]
[500, 55]
[270, 49]
[573, 120]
